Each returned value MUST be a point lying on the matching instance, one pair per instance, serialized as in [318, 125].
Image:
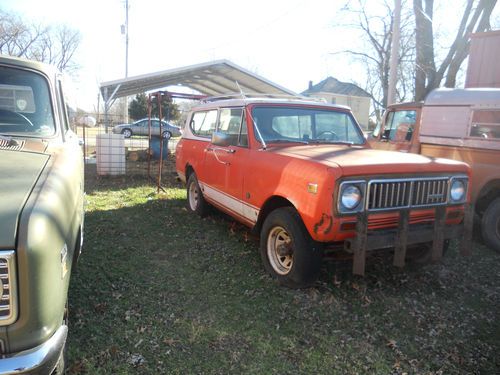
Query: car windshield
[25, 105]
[305, 125]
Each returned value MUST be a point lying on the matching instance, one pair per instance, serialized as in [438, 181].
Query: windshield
[25, 106]
[306, 125]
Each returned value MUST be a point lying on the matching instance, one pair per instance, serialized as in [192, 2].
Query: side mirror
[221, 139]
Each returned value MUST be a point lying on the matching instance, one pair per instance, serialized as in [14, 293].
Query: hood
[358, 160]
[19, 171]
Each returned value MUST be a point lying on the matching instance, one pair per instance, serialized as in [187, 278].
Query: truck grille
[8, 290]
[391, 194]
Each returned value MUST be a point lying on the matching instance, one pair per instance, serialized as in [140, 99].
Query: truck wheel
[490, 225]
[287, 250]
[196, 202]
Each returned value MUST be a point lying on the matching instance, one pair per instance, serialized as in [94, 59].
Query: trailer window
[485, 124]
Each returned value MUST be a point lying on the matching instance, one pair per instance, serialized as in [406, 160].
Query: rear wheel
[287, 250]
[490, 225]
[196, 202]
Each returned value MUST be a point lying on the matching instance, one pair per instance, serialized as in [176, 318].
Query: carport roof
[215, 78]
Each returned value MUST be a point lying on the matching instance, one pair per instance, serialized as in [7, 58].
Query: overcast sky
[288, 42]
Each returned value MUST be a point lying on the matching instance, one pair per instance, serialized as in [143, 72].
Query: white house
[336, 92]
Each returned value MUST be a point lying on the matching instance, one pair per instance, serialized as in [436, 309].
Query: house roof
[334, 86]
[213, 78]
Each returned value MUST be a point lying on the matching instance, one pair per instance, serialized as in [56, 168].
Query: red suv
[302, 174]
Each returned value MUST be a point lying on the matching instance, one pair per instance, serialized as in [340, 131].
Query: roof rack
[260, 95]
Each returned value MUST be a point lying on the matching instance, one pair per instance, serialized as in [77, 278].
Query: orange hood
[358, 160]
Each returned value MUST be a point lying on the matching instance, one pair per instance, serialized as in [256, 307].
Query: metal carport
[215, 78]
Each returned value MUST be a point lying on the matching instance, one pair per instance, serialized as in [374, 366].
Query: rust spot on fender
[324, 225]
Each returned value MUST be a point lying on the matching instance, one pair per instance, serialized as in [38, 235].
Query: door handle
[226, 150]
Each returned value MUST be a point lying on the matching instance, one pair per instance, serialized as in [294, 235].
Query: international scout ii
[302, 174]
[41, 217]
[460, 124]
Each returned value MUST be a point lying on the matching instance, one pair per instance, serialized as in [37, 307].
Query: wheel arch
[269, 206]
[188, 170]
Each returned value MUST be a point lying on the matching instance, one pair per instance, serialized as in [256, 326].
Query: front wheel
[166, 135]
[127, 133]
[196, 202]
[287, 250]
[490, 225]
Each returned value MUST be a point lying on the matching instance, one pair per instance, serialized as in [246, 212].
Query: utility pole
[393, 70]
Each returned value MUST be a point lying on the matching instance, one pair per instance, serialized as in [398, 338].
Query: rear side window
[203, 123]
[25, 104]
[485, 124]
[232, 123]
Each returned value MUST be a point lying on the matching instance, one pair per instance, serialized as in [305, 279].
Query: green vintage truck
[41, 216]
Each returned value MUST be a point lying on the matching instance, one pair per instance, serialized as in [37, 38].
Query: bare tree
[375, 54]
[428, 75]
[53, 45]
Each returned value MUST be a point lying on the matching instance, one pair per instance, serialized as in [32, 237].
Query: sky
[289, 42]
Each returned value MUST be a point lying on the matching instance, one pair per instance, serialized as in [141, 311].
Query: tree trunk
[425, 68]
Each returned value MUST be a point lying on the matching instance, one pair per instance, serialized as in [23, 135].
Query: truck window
[485, 124]
[399, 125]
[203, 123]
[230, 123]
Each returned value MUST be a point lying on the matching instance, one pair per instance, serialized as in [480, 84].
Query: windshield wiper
[286, 141]
[324, 141]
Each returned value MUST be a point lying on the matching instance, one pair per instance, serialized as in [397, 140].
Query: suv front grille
[391, 194]
[8, 290]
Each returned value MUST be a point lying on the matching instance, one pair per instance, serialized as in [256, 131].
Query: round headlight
[457, 192]
[351, 196]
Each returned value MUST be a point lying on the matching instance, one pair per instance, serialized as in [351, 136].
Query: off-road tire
[195, 201]
[490, 225]
[298, 269]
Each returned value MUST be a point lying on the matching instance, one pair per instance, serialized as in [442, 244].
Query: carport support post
[149, 135]
[160, 161]
[359, 258]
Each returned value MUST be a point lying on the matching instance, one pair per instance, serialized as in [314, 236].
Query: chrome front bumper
[39, 360]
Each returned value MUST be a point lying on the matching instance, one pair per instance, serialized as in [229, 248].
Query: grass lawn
[159, 290]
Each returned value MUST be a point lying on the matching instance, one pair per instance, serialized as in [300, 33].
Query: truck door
[226, 159]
